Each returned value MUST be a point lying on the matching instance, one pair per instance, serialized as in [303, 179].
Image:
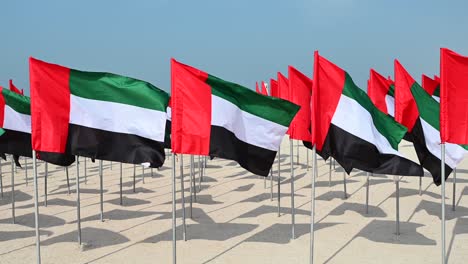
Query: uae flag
[381, 92]
[423, 122]
[167, 135]
[14, 89]
[217, 118]
[97, 115]
[283, 87]
[431, 86]
[273, 88]
[264, 89]
[15, 119]
[256, 87]
[348, 126]
[300, 89]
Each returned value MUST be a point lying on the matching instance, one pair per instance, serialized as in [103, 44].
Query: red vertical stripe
[283, 87]
[2, 107]
[453, 97]
[191, 110]
[50, 105]
[264, 89]
[406, 110]
[14, 89]
[377, 89]
[273, 88]
[429, 84]
[328, 83]
[256, 87]
[300, 87]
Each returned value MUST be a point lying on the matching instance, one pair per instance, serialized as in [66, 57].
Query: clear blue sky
[241, 41]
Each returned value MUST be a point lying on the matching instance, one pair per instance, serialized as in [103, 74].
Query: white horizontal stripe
[436, 98]
[356, 120]
[16, 121]
[120, 118]
[169, 113]
[390, 104]
[453, 153]
[247, 127]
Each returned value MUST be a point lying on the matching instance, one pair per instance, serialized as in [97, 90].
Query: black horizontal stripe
[16, 142]
[224, 144]
[112, 146]
[351, 152]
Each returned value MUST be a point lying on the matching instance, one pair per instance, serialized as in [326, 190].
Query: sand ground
[234, 220]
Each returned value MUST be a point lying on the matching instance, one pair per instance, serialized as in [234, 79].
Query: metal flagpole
[1, 180]
[174, 254]
[46, 172]
[279, 181]
[121, 173]
[111, 165]
[184, 227]
[143, 174]
[25, 175]
[26, 170]
[102, 191]
[397, 185]
[442, 168]
[420, 186]
[68, 180]
[329, 172]
[454, 188]
[36, 209]
[192, 168]
[344, 184]
[312, 210]
[13, 189]
[307, 152]
[264, 182]
[134, 177]
[271, 184]
[78, 213]
[191, 185]
[200, 172]
[291, 148]
[367, 194]
[297, 148]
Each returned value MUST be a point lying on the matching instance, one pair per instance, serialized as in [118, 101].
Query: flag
[256, 87]
[431, 86]
[217, 118]
[283, 87]
[454, 97]
[273, 88]
[14, 89]
[264, 89]
[167, 135]
[97, 115]
[300, 89]
[15, 119]
[425, 130]
[381, 92]
[348, 127]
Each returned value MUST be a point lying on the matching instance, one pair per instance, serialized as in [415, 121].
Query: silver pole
[454, 188]
[36, 210]
[191, 183]
[68, 180]
[111, 165]
[442, 169]
[78, 213]
[264, 182]
[174, 246]
[184, 227]
[344, 184]
[46, 172]
[121, 174]
[13, 190]
[307, 152]
[293, 235]
[26, 170]
[134, 177]
[420, 186]
[312, 210]
[200, 172]
[85, 171]
[397, 185]
[279, 181]
[192, 171]
[329, 172]
[297, 148]
[367, 194]
[143, 175]
[102, 191]
[271, 183]
[1, 180]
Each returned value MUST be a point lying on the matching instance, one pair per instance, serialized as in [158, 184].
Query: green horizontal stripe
[270, 108]
[437, 91]
[391, 90]
[428, 107]
[385, 124]
[118, 89]
[18, 102]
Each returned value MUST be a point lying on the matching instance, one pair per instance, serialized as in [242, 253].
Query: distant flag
[431, 86]
[217, 118]
[15, 119]
[167, 135]
[300, 90]
[256, 87]
[97, 115]
[283, 87]
[382, 93]
[454, 97]
[264, 89]
[273, 88]
[348, 127]
[14, 89]
[422, 113]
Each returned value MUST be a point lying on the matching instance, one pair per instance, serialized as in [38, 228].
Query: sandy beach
[234, 220]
